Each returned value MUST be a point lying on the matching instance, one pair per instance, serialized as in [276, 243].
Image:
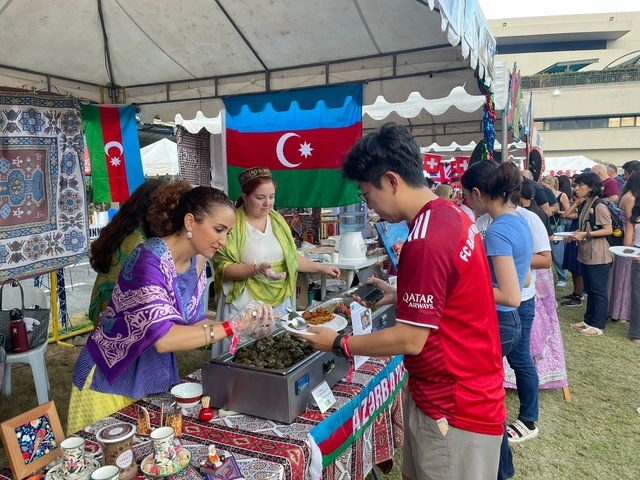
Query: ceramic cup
[108, 472]
[335, 257]
[163, 446]
[73, 460]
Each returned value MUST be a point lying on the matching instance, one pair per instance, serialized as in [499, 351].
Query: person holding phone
[446, 322]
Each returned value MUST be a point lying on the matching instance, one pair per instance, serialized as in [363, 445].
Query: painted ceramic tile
[35, 439]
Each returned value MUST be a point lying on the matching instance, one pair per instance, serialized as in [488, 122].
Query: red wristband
[347, 352]
[227, 329]
[345, 347]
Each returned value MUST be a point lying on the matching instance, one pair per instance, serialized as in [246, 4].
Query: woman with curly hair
[128, 229]
[157, 306]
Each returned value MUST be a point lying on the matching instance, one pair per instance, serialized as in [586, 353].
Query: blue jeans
[509, 323]
[596, 278]
[522, 363]
[557, 255]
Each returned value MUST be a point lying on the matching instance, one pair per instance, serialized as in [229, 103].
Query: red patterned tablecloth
[264, 449]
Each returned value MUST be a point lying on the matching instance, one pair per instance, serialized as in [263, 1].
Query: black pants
[595, 284]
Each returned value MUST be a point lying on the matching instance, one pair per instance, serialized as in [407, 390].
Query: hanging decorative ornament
[488, 122]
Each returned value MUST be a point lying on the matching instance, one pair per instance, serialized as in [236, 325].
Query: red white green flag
[302, 136]
[114, 151]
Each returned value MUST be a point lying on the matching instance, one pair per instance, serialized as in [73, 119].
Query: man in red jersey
[446, 317]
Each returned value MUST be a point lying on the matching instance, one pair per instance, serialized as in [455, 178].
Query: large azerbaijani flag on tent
[302, 136]
[114, 151]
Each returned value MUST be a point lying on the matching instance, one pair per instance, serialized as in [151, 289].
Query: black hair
[527, 190]
[392, 148]
[564, 185]
[632, 185]
[174, 200]
[131, 215]
[635, 211]
[430, 183]
[591, 180]
[631, 167]
[496, 180]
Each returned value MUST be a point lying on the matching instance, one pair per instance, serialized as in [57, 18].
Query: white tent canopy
[184, 57]
[160, 158]
[567, 165]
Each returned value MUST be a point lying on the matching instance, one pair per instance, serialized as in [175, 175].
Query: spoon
[295, 320]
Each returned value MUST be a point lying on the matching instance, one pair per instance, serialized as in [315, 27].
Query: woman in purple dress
[157, 306]
[619, 286]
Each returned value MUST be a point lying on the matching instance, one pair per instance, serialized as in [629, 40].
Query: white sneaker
[561, 284]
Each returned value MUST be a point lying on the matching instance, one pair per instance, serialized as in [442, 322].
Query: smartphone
[369, 293]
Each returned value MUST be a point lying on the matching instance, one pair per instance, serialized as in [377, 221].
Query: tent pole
[503, 138]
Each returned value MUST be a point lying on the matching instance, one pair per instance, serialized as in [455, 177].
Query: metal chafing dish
[279, 394]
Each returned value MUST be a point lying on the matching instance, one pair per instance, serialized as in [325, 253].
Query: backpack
[617, 224]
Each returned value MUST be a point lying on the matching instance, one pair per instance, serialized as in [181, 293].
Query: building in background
[584, 72]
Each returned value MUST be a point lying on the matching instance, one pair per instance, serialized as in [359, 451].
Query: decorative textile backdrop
[43, 208]
[194, 156]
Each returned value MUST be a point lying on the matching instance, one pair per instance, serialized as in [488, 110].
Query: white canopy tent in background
[160, 158]
[567, 165]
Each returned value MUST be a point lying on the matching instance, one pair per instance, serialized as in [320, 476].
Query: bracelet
[212, 334]
[206, 339]
[227, 329]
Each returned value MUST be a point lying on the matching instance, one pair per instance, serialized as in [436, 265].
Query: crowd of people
[466, 294]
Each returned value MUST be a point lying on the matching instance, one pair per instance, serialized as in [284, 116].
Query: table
[351, 268]
[268, 450]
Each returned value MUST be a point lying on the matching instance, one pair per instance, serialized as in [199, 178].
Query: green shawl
[260, 288]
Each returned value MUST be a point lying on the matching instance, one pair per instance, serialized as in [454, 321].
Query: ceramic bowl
[187, 395]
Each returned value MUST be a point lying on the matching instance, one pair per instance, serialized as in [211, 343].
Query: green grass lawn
[596, 436]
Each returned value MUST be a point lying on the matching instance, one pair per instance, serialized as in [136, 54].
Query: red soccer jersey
[444, 284]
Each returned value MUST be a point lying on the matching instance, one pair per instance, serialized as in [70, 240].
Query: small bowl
[187, 395]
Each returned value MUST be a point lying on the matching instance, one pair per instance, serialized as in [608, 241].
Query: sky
[538, 8]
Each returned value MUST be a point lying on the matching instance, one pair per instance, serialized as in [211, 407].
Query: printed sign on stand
[361, 323]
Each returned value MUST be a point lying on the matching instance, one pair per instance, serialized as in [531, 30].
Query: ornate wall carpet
[43, 208]
[194, 156]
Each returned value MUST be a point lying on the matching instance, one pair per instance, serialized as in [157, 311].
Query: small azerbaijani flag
[302, 136]
[114, 151]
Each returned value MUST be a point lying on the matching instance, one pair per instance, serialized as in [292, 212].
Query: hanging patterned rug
[194, 156]
[43, 210]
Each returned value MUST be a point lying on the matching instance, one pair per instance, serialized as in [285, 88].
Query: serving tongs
[294, 320]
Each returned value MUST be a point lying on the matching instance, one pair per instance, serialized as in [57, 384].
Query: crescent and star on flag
[114, 160]
[305, 150]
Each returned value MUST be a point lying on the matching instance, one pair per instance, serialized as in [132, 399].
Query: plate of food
[320, 317]
[629, 252]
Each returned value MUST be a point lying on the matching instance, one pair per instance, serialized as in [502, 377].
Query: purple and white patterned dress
[148, 299]
[547, 347]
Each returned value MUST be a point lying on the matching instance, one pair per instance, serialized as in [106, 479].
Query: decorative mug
[163, 445]
[73, 460]
[108, 472]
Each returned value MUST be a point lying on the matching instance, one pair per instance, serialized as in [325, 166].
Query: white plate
[563, 234]
[620, 251]
[337, 323]
[56, 473]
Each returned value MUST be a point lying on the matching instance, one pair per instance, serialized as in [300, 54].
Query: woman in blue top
[509, 245]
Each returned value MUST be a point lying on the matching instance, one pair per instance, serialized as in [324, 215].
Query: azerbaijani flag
[302, 136]
[114, 151]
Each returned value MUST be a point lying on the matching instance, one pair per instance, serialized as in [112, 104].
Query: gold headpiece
[252, 173]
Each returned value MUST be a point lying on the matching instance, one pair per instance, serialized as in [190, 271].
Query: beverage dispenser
[352, 221]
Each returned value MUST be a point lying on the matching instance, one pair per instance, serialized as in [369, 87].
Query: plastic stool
[35, 358]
